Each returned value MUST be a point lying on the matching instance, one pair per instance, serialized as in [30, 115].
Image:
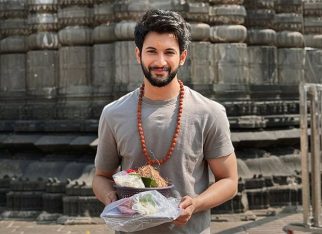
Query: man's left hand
[187, 206]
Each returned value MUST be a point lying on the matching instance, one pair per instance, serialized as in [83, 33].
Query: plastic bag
[142, 210]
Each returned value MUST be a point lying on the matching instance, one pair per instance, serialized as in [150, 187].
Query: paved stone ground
[257, 222]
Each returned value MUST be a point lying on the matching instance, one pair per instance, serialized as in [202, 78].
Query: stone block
[262, 64]
[314, 41]
[198, 69]
[104, 34]
[313, 65]
[286, 39]
[75, 63]
[75, 36]
[42, 73]
[12, 74]
[261, 37]
[13, 44]
[231, 63]
[200, 31]
[52, 143]
[103, 69]
[128, 73]
[290, 66]
[228, 33]
[124, 31]
[43, 41]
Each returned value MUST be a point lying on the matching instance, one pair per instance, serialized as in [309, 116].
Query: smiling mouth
[159, 70]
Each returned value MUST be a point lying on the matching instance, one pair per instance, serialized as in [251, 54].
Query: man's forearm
[103, 189]
[218, 193]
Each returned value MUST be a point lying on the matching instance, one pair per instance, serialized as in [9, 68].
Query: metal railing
[311, 139]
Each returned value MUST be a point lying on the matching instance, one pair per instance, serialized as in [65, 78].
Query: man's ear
[138, 55]
[183, 57]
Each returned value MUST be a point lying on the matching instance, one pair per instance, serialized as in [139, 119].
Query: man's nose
[161, 61]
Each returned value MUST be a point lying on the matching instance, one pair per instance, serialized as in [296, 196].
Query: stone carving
[75, 2]
[288, 23]
[75, 16]
[227, 14]
[13, 9]
[196, 12]
[13, 27]
[103, 13]
[216, 2]
[312, 24]
[40, 22]
[130, 10]
[43, 40]
[42, 5]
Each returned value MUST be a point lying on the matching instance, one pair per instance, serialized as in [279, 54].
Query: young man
[169, 126]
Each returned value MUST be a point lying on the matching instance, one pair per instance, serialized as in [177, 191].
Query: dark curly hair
[163, 21]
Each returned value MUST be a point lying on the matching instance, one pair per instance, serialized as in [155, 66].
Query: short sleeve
[107, 158]
[218, 138]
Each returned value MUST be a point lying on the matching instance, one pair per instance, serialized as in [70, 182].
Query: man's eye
[151, 51]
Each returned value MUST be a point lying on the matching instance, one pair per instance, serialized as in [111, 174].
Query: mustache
[165, 68]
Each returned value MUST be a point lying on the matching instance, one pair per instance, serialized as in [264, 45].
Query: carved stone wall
[67, 59]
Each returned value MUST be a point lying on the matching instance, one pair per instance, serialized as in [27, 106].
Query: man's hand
[187, 205]
[110, 197]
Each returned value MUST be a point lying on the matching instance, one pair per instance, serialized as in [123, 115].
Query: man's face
[160, 58]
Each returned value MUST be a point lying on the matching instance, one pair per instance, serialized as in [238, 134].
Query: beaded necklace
[168, 155]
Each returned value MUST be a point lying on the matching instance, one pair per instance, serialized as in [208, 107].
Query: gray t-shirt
[204, 135]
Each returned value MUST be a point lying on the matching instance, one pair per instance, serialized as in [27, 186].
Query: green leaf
[149, 182]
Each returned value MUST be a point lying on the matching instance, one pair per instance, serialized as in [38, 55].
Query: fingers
[187, 208]
[185, 202]
[110, 197]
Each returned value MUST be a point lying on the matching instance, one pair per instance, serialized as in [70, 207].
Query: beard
[159, 81]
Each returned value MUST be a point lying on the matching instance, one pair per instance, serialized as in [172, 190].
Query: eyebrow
[152, 48]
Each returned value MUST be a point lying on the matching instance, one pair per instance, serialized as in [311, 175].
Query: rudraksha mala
[168, 155]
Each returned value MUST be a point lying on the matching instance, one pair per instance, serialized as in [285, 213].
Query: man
[169, 126]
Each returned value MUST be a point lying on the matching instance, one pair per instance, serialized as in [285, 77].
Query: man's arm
[225, 187]
[103, 186]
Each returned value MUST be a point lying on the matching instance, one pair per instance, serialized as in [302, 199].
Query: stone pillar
[290, 43]
[42, 59]
[128, 73]
[230, 53]
[313, 40]
[13, 59]
[262, 52]
[103, 72]
[198, 71]
[75, 59]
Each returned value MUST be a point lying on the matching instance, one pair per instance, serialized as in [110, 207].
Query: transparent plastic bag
[142, 210]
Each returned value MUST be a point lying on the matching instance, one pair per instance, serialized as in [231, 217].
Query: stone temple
[61, 61]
